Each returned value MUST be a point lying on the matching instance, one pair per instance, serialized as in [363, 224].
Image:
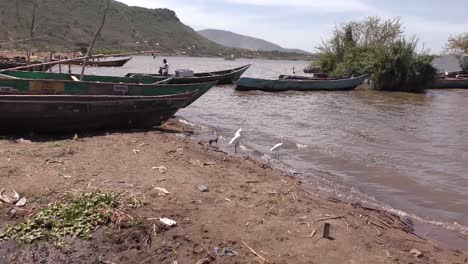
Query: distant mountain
[67, 25]
[233, 40]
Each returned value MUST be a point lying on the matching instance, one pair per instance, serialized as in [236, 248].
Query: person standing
[165, 69]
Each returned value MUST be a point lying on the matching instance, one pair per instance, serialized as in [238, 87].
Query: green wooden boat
[23, 82]
[222, 77]
[74, 113]
[300, 84]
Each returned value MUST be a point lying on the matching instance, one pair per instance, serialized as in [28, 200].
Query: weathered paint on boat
[299, 85]
[73, 113]
[222, 77]
[14, 82]
[101, 62]
[450, 83]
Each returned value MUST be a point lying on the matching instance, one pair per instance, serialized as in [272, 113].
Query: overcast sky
[304, 24]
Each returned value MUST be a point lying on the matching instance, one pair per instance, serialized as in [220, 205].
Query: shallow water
[403, 152]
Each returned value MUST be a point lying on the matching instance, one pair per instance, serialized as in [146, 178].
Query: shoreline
[246, 202]
[448, 235]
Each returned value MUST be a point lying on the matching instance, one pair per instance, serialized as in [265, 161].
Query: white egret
[237, 137]
[276, 148]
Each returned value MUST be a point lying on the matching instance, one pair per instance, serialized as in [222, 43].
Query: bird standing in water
[237, 137]
[276, 148]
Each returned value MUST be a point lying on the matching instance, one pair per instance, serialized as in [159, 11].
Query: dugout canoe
[300, 84]
[222, 77]
[101, 62]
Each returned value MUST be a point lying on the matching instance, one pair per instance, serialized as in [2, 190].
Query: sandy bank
[247, 205]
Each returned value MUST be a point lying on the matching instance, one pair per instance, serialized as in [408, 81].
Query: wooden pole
[60, 65]
[50, 59]
[90, 49]
[32, 30]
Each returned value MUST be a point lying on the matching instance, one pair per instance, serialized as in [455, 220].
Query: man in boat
[165, 69]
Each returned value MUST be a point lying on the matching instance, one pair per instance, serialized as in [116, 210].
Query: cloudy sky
[305, 23]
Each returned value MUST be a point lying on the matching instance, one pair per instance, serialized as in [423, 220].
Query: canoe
[450, 83]
[222, 77]
[23, 82]
[298, 84]
[14, 64]
[101, 63]
[74, 113]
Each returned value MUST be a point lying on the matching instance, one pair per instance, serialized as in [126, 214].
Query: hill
[233, 40]
[66, 25]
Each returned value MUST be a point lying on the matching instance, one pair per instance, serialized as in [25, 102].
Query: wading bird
[237, 137]
[276, 148]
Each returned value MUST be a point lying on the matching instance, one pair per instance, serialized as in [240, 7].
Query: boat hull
[69, 113]
[222, 77]
[100, 63]
[280, 85]
[55, 83]
[450, 83]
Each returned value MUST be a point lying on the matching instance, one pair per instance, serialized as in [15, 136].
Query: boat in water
[74, 113]
[100, 62]
[8, 63]
[222, 77]
[24, 82]
[300, 83]
[455, 80]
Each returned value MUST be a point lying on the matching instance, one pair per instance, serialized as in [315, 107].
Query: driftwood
[255, 253]
[90, 49]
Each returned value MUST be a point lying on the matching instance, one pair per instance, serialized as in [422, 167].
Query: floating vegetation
[74, 217]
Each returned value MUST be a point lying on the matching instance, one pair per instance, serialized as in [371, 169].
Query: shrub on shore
[377, 47]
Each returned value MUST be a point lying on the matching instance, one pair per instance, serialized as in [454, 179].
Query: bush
[398, 67]
[376, 47]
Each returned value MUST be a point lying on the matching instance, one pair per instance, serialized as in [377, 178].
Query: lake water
[403, 152]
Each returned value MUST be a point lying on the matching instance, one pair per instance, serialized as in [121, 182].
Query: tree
[459, 47]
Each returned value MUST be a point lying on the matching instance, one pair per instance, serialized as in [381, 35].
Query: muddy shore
[247, 207]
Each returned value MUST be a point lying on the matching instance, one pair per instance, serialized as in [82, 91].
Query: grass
[74, 216]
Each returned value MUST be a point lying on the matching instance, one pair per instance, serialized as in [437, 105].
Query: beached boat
[101, 62]
[297, 83]
[222, 77]
[23, 82]
[73, 113]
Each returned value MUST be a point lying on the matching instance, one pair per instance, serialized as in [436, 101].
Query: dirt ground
[249, 208]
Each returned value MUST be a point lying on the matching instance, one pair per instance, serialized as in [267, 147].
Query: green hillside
[69, 24]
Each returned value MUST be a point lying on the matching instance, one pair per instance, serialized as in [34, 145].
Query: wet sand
[249, 207]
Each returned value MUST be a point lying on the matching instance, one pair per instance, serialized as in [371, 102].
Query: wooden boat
[73, 113]
[23, 82]
[450, 83]
[300, 84]
[450, 80]
[101, 63]
[4, 64]
[222, 77]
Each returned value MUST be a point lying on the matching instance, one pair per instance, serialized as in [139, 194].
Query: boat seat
[74, 78]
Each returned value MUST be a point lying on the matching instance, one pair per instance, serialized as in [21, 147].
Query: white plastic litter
[167, 221]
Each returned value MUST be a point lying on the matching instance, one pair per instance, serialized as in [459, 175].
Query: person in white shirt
[165, 69]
